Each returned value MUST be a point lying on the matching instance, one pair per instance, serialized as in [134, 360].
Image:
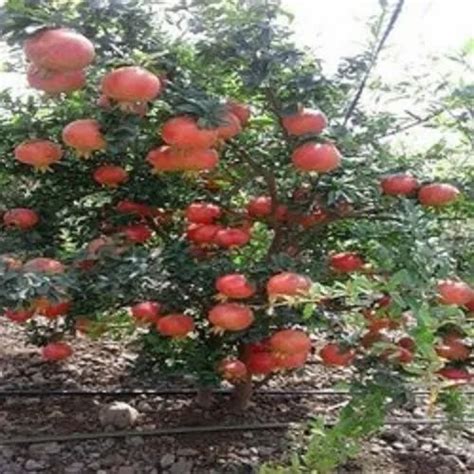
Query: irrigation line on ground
[195, 429]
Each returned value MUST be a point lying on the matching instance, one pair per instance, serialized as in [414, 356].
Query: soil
[105, 365]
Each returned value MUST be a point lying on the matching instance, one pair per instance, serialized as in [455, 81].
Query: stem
[243, 393]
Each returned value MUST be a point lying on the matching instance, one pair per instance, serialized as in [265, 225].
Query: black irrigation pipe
[193, 430]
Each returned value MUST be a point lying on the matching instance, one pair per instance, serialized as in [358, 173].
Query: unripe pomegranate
[230, 317]
[232, 370]
[131, 84]
[56, 351]
[235, 286]
[288, 284]
[452, 373]
[316, 157]
[146, 311]
[292, 361]
[38, 153]
[43, 265]
[241, 111]
[184, 132]
[261, 363]
[454, 292]
[346, 262]
[334, 354]
[84, 136]
[202, 233]
[110, 175]
[304, 121]
[202, 213]
[55, 82]
[175, 325]
[229, 237]
[54, 310]
[59, 50]
[19, 316]
[290, 341]
[137, 233]
[400, 184]
[229, 126]
[438, 194]
[21, 218]
[453, 349]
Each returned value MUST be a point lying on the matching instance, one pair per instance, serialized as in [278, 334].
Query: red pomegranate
[59, 50]
[235, 285]
[230, 317]
[230, 237]
[229, 126]
[317, 216]
[137, 233]
[438, 194]
[202, 233]
[43, 265]
[346, 262]
[304, 121]
[316, 157]
[131, 207]
[453, 373]
[260, 363]
[400, 355]
[290, 341]
[470, 305]
[334, 354]
[40, 154]
[288, 284]
[233, 370]
[19, 316]
[56, 351]
[292, 361]
[185, 132]
[110, 175]
[371, 337]
[407, 343]
[175, 325]
[21, 218]
[146, 311]
[54, 310]
[164, 159]
[84, 136]
[131, 84]
[453, 349]
[54, 83]
[202, 213]
[400, 184]
[241, 111]
[454, 292]
[260, 206]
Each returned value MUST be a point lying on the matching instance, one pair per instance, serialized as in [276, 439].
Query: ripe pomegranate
[21, 218]
[229, 237]
[137, 233]
[19, 316]
[110, 175]
[229, 126]
[202, 213]
[317, 216]
[38, 153]
[377, 324]
[131, 84]
[166, 159]
[84, 136]
[371, 337]
[175, 325]
[54, 310]
[438, 194]
[202, 233]
[43, 265]
[233, 370]
[184, 132]
[292, 361]
[288, 284]
[453, 373]
[55, 82]
[453, 349]
[334, 354]
[290, 341]
[260, 363]
[407, 343]
[241, 111]
[346, 262]
[235, 285]
[470, 305]
[130, 207]
[454, 292]
[56, 351]
[59, 50]
[304, 121]
[230, 317]
[399, 355]
[146, 311]
[400, 184]
[260, 206]
[316, 157]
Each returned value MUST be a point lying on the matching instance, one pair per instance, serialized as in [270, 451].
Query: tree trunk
[242, 394]
[204, 397]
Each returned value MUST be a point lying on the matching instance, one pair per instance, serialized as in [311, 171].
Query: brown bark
[242, 394]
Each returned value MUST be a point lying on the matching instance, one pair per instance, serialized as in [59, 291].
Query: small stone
[118, 414]
[74, 468]
[32, 465]
[135, 441]
[187, 452]
[167, 460]
[426, 447]
[183, 466]
[266, 451]
[144, 407]
[399, 446]
[126, 470]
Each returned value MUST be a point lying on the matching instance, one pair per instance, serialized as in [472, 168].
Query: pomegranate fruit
[454, 292]
[229, 126]
[54, 83]
[110, 175]
[453, 373]
[290, 341]
[43, 265]
[292, 361]
[346, 262]
[241, 111]
[230, 237]
[438, 194]
[288, 284]
[21, 218]
[19, 316]
[202, 233]
[84, 136]
[40, 154]
[235, 285]
[146, 311]
[304, 121]
[184, 132]
[400, 184]
[54, 310]
[175, 325]
[202, 213]
[260, 363]
[334, 354]
[137, 233]
[407, 343]
[321, 158]
[260, 206]
[131, 207]
[453, 349]
[56, 351]
[166, 159]
[230, 317]
[232, 370]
